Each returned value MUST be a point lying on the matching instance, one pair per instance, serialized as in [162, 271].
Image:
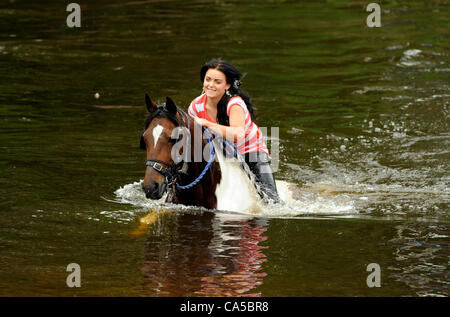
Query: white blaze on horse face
[157, 133]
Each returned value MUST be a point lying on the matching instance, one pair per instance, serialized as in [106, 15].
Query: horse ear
[170, 105]
[151, 106]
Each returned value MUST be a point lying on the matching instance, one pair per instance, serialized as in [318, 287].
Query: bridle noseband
[170, 172]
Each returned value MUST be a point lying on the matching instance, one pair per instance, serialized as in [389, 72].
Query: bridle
[171, 171]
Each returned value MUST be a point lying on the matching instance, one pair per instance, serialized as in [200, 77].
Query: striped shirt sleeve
[191, 110]
[236, 101]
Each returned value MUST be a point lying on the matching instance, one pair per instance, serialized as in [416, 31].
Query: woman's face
[215, 84]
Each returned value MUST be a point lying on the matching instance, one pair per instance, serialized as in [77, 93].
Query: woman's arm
[235, 132]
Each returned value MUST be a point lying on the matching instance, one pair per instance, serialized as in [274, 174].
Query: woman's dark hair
[233, 77]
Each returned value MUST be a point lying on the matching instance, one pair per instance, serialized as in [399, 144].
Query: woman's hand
[232, 133]
[199, 121]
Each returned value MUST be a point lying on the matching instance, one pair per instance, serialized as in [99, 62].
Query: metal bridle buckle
[157, 166]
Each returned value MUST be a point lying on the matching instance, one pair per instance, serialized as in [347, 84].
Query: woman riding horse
[224, 108]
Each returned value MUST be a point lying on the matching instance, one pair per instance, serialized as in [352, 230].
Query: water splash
[298, 201]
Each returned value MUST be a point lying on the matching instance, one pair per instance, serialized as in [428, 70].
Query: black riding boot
[259, 164]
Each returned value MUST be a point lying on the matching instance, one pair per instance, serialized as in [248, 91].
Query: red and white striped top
[253, 141]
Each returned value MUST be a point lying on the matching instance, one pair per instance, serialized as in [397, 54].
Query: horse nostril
[152, 191]
[153, 188]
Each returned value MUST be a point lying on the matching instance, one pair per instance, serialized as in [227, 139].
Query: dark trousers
[259, 164]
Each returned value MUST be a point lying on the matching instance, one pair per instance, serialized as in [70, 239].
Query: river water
[363, 137]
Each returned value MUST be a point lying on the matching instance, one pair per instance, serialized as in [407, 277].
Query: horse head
[158, 139]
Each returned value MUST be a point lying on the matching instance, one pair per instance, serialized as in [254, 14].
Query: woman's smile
[215, 84]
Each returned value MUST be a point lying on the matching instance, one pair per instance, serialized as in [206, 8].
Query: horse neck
[203, 193]
[202, 148]
[199, 145]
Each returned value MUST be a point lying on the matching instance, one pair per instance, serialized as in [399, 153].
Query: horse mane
[161, 112]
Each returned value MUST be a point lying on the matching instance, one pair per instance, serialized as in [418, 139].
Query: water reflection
[421, 254]
[204, 255]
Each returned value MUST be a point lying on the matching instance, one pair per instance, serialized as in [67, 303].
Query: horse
[212, 180]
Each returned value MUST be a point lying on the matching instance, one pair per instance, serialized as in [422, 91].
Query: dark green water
[363, 118]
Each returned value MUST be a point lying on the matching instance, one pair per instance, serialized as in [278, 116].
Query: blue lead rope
[212, 155]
